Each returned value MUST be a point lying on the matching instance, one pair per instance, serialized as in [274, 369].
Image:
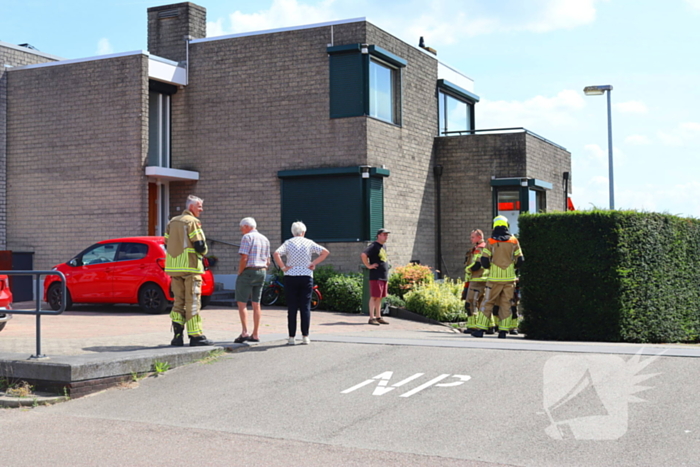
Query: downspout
[437, 171]
[566, 191]
[187, 58]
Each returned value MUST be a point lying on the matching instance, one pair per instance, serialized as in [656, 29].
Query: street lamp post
[598, 91]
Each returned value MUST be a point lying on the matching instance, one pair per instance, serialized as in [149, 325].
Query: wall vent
[168, 14]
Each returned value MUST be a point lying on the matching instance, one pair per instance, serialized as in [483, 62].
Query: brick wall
[168, 24]
[10, 56]
[77, 145]
[469, 163]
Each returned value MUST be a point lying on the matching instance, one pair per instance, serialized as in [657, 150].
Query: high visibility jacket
[503, 255]
[473, 257]
[180, 235]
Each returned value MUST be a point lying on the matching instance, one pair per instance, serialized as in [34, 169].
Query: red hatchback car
[123, 270]
[5, 301]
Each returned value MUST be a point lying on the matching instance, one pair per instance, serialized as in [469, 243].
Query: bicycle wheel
[315, 299]
[270, 296]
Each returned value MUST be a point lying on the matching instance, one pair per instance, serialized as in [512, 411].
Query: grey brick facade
[255, 104]
[10, 56]
[75, 172]
[470, 162]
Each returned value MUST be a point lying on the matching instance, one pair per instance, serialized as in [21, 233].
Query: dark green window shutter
[375, 194]
[330, 206]
[347, 85]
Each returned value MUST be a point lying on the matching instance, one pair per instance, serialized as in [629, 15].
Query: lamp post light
[598, 91]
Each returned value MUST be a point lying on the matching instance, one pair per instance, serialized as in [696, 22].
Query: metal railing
[37, 297]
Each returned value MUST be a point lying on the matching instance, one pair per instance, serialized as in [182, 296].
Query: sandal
[252, 339]
[241, 339]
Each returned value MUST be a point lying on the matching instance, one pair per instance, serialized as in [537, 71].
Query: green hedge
[618, 276]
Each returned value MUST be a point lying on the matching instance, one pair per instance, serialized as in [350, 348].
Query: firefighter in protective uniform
[476, 276]
[501, 255]
[186, 245]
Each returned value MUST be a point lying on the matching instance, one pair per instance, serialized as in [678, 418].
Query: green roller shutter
[375, 194]
[331, 207]
[347, 85]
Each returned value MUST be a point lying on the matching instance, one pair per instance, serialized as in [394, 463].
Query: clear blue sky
[530, 60]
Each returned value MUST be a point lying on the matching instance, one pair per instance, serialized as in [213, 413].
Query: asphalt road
[334, 403]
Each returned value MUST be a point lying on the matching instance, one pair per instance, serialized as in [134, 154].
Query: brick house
[341, 125]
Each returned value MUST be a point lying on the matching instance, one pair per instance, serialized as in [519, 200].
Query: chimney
[169, 24]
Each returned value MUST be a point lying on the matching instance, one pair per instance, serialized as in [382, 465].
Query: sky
[529, 59]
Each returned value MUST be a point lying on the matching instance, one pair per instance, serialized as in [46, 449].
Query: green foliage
[322, 274]
[437, 300]
[343, 292]
[610, 276]
[406, 278]
[393, 300]
[160, 367]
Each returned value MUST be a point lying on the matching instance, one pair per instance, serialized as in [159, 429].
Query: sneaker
[202, 340]
[373, 321]
[502, 334]
[305, 340]
[291, 341]
[382, 321]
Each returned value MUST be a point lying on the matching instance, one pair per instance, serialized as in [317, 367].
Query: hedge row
[610, 276]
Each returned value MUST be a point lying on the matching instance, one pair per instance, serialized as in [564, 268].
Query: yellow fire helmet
[500, 221]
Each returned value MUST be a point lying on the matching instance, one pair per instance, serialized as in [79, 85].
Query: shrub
[322, 274]
[393, 300]
[437, 300]
[406, 278]
[610, 276]
[343, 292]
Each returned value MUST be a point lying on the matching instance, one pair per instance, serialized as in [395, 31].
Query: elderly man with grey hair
[252, 268]
[299, 278]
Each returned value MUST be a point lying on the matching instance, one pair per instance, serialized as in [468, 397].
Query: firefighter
[475, 278]
[501, 255]
[186, 245]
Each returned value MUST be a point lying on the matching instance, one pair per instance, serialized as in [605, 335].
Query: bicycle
[272, 293]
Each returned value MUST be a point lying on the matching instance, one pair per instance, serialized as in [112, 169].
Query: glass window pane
[442, 121]
[509, 206]
[381, 96]
[456, 114]
[100, 254]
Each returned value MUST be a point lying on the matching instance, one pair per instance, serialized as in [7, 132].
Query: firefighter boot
[502, 334]
[200, 341]
[477, 333]
[178, 330]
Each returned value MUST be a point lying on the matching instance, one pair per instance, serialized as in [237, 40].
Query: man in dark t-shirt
[375, 259]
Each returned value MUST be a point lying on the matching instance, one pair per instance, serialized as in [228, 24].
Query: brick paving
[116, 328]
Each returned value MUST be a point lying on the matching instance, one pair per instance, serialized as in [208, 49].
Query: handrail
[38, 311]
[213, 240]
[504, 130]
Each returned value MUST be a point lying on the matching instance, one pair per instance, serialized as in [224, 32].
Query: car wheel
[204, 300]
[152, 299]
[54, 297]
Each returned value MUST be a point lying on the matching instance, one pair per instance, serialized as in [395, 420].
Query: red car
[123, 270]
[5, 301]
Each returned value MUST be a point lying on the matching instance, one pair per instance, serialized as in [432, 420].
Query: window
[336, 204]
[383, 84]
[513, 196]
[99, 254]
[131, 251]
[365, 80]
[455, 108]
[158, 129]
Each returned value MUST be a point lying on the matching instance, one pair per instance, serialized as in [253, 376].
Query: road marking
[383, 379]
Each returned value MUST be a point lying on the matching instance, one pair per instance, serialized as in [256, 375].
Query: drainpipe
[437, 171]
[187, 58]
[566, 191]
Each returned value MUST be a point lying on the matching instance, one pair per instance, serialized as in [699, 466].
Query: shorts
[378, 289]
[250, 285]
